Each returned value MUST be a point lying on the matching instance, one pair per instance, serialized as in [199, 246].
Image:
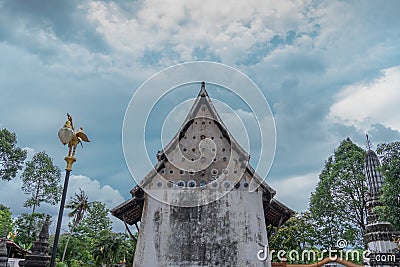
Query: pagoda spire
[369, 144]
[378, 234]
[203, 91]
[372, 172]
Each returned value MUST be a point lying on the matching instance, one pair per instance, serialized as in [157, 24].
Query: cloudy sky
[329, 70]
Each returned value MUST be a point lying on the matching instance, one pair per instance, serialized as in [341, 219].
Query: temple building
[379, 235]
[202, 204]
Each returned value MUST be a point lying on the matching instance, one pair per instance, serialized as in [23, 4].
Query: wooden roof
[276, 213]
[130, 211]
[15, 251]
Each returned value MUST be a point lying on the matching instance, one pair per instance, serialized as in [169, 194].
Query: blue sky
[329, 70]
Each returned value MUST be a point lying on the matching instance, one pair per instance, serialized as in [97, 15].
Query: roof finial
[203, 91]
[369, 145]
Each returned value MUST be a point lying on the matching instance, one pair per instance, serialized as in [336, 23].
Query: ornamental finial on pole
[68, 136]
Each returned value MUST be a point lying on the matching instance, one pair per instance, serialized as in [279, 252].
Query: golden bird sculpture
[81, 136]
[68, 136]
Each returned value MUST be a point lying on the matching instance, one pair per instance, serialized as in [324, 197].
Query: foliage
[78, 251]
[74, 263]
[108, 248]
[91, 227]
[41, 180]
[93, 242]
[326, 213]
[129, 249]
[105, 247]
[28, 227]
[338, 204]
[6, 222]
[298, 233]
[96, 221]
[11, 156]
[79, 205]
[390, 157]
[112, 248]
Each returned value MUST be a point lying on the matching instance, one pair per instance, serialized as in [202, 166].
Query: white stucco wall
[227, 232]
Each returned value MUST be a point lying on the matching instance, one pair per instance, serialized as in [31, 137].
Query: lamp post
[68, 136]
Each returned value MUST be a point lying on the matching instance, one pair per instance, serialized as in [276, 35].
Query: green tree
[93, 243]
[96, 221]
[113, 248]
[326, 213]
[79, 249]
[338, 203]
[41, 180]
[79, 205]
[128, 250]
[298, 234]
[6, 222]
[28, 227]
[390, 158]
[11, 156]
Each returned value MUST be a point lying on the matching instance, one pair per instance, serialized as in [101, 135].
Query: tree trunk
[66, 244]
[36, 197]
[65, 248]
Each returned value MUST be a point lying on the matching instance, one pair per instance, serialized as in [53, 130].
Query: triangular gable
[203, 126]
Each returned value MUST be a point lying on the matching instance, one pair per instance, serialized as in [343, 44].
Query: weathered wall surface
[227, 232]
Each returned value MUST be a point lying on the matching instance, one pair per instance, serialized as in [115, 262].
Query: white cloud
[95, 191]
[88, 60]
[176, 27]
[13, 197]
[368, 103]
[295, 191]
